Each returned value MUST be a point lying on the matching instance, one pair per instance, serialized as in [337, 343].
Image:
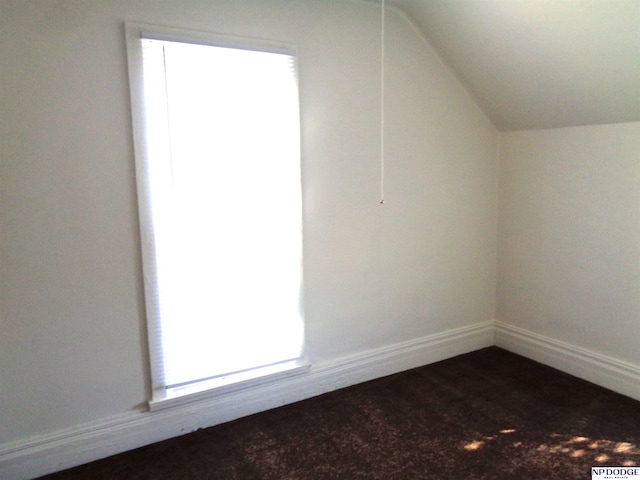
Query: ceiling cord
[382, 100]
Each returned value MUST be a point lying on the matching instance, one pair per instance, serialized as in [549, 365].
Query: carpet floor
[489, 414]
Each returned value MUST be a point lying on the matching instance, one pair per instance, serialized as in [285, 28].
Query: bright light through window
[223, 184]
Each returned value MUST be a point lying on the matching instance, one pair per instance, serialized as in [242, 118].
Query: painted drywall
[569, 237]
[540, 64]
[72, 339]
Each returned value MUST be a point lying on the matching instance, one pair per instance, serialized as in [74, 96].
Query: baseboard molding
[45, 454]
[85, 443]
[611, 373]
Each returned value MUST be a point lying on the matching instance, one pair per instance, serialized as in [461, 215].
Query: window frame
[162, 397]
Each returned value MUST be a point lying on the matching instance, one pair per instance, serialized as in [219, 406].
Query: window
[216, 129]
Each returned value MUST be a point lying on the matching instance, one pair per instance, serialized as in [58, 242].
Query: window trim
[227, 384]
[162, 397]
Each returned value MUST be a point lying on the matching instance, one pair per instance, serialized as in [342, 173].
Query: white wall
[569, 239]
[73, 346]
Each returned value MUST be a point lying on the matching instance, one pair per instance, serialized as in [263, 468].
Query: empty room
[350, 216]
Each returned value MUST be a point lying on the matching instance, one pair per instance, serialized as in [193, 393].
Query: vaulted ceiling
[534, 64]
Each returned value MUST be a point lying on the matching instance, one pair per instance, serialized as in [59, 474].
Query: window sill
[230, 383]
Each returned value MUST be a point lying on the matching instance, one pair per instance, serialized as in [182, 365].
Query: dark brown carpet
[489, 414]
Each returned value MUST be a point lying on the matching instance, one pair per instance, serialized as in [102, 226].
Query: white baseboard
[33, 457]
[45, 454]
[611, 373]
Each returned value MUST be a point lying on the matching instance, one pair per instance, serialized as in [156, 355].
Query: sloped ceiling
[535, 64]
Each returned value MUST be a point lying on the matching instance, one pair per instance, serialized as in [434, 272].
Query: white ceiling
[534, 64]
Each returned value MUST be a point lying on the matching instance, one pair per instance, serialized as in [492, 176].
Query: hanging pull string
[382, 126]
[166, 94]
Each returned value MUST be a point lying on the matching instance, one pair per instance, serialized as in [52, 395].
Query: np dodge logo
[615, 473]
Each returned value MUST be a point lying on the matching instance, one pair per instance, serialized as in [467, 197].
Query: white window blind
[220, 209]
